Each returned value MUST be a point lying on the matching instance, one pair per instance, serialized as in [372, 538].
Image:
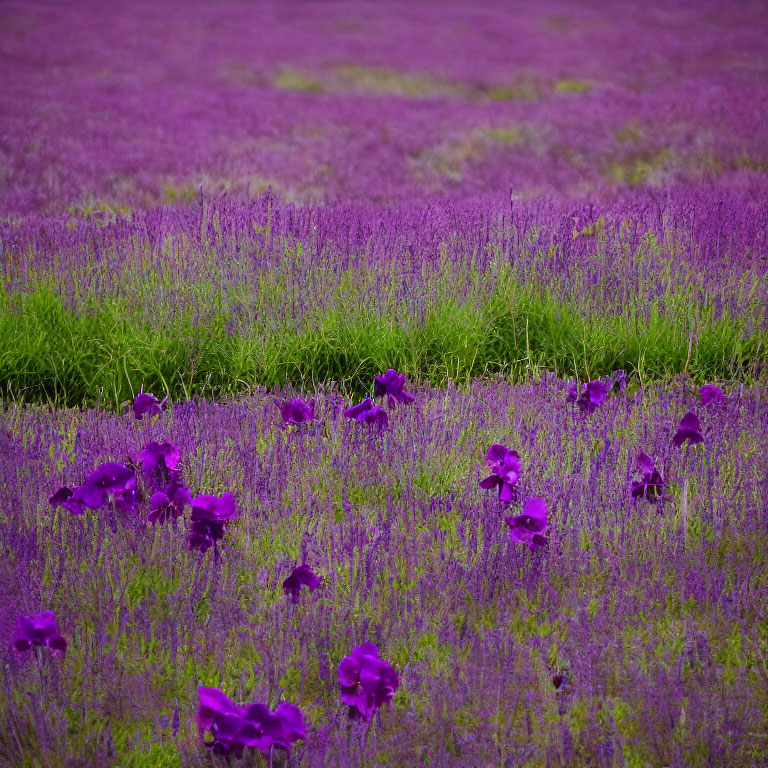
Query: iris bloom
[531, 526]
[710, 393]
[297, 411]
[689, 429]
[367, 412]
[392, 384]
[301, 576]
[366, 681]
[651, 483]
[235, 727]
[39, 629]
[210, 515]
[110, 481]
[505, 472]
[169, 504]
[157, 458]
[592, 396]
[147, 403]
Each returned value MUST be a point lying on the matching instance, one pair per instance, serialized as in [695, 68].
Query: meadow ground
[551, 219]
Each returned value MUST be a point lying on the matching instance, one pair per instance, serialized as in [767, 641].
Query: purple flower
[368, 412]
[366, 681]
[39, 629]
[147, 403]
[235, 727]
[710, 393]
[108, 482]
[301, 576]
[505, 468]
[689, 429]
[531, 526]
[651, 483]
[209, 518]
[591, 398]
[169, 504]
[617, 381]
[157, 458]
[297, 411]
[392, 384]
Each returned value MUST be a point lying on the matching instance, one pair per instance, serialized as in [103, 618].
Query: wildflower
[69, 498]
[689, 429]
[651, 483]
[110, 481]
[591, 398]
[147, 403]
[366, 681]
[710, 393]
[301, 575]
[392, 384]
[297, 411]
[209, 518]
[157, 458]
[367, 413]
[39, 629]
[505, 472]
[531, 526]
[169, 504]
[235, 727]
[617, 381]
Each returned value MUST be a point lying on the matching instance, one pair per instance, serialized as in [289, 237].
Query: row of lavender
[412, 559]
[270, 262]
[348, 102]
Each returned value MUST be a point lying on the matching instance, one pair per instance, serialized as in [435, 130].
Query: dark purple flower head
[301, 576]
[39, 629]
[366, 681]
[297, 411]
[235, 727]
[530, 527]
[592, 396]
[147, 403]
[651, 483]
[505, 468]
[157, 458]
[69, 498]
[108, 482]
[209, 517]
[689, 429]
[368, 412]
[169, 504]
[711, 393]
[392, 384]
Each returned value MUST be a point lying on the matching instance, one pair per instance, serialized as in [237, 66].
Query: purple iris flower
[169, 504]
[209, 518]
[392, 384]
[711, 393]
[651, 483]
[297, 411]
[592, 396]
[301, 576]
[689, 429]
[366, 681]
[110, 481]
[368, 412]
[147, 403]
[531, 526]
[158, 458]
[39, 629]
[505, 469]
[235, 727]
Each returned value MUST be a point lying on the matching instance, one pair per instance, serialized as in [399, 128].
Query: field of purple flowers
[383, 384]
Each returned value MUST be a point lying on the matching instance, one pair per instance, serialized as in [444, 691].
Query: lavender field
[383, 384]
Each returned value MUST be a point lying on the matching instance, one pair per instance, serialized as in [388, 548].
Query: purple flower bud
[505, 468]
[39, 629]
[149, 404]
[301, 575]
[392, 384]
[366, 681]
[531, 526]
[689, 429]
[297, 411]
[710, 393]
[368, 412]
